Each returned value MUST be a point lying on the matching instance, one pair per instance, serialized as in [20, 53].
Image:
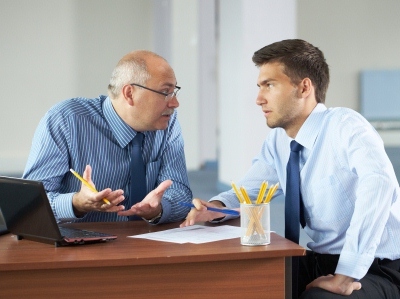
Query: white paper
[196, 234]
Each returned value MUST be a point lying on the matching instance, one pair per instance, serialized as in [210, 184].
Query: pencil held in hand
[87, 184]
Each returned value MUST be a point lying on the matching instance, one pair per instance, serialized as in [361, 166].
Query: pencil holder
[255, 224]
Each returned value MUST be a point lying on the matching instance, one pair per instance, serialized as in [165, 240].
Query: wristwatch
[155, 219]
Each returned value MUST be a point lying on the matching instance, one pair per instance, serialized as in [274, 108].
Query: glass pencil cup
[255, 224]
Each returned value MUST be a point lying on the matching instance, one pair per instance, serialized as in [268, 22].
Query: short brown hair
[300, 60]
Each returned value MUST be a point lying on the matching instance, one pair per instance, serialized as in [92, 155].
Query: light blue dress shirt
[81, 131]
[348, 185]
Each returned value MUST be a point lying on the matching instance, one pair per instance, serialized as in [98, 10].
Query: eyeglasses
[168, 96]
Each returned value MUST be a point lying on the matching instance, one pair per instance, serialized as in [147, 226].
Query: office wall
[185, 33]
[53, 50]
[245, 26]
[68, 48]
[354, 35]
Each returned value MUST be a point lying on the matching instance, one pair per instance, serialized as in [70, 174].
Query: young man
[349, 196]
[84, 134]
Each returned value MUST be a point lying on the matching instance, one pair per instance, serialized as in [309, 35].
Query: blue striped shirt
[348, 185]
[81, 131]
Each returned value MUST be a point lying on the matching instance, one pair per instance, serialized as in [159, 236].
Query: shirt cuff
[154, 220]
[63, 207]
[222, 219]
[354, 265]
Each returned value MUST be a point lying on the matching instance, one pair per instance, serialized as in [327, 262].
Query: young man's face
[280, 99]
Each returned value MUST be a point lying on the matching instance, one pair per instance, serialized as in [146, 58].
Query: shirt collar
[309, 131]
[121, 131]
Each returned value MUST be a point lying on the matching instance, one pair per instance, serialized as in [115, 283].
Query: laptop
[27, 214]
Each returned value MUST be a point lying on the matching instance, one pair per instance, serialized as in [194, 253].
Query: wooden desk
[139, 268]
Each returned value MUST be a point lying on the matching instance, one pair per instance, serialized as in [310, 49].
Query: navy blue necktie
[137, 190]
[293, 207]
[293, 196]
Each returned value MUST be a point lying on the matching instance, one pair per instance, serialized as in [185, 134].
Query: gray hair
[128, 70]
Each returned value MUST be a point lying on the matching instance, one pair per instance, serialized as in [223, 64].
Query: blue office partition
[380, 95]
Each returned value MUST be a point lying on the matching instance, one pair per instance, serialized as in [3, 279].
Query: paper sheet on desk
[196, 234]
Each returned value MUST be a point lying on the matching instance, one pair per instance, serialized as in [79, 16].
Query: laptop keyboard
[79, 233]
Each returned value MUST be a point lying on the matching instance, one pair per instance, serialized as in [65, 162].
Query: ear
[128, 94]
[305, 88]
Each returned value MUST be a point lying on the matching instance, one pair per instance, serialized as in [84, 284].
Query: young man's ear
[305, 87]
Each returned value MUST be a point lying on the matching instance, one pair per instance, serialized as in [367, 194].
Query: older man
[96, 137]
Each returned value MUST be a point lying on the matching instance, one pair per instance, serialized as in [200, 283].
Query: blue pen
[225, 211]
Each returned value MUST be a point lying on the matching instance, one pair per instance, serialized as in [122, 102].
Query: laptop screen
[27, 214]
[24, 210]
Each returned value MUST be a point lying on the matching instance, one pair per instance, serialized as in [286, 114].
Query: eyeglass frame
[168, 96]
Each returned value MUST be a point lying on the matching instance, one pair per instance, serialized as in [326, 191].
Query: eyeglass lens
[172, 94]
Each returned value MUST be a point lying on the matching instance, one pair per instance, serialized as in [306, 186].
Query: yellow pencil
[271, 193]
[261, 193]
[87, 184]
[268, 194]
[245, 195]
[235, 189]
